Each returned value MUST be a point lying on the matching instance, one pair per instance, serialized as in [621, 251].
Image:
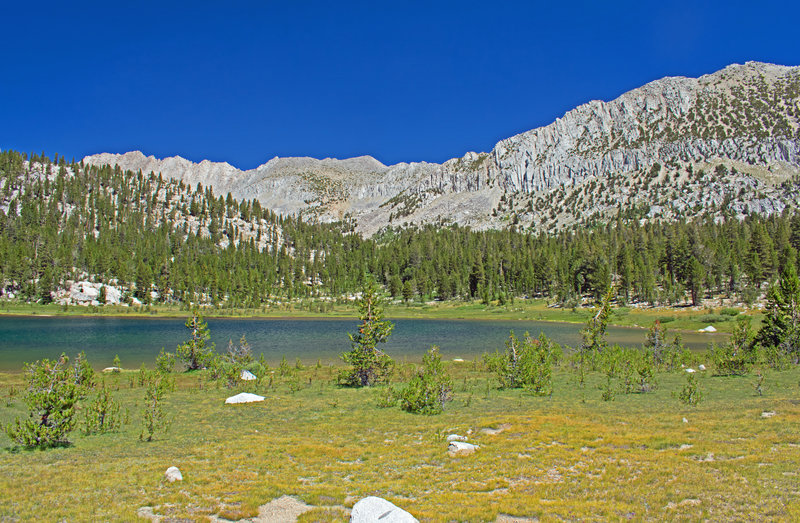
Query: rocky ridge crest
[726, 142]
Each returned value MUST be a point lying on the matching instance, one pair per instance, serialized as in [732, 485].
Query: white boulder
[690, 371]
[372, 509]
[456, 437]
[247, 375]
[88, 293]
[701, 367]
[244, 397]
[173, 474]
[710, 328]
[461, 448]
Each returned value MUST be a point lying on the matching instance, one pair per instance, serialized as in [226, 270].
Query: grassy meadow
[568, 456]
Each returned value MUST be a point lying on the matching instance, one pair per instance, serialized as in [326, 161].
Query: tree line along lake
[138, 340]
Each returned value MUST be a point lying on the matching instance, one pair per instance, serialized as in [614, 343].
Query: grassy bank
[674, 318]
[568, 456]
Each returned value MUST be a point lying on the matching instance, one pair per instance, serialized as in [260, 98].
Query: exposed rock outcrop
[744, 117]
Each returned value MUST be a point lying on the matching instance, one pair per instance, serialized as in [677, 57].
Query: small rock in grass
[458, 360]
[372, 509]
[461, 448]
[173, 474]
[247, 375]
[498, 430]
[112, 369]
[456, 437]
[685, 420]
[767, 414]
[244, 397]
[147, 513]
[701, 367]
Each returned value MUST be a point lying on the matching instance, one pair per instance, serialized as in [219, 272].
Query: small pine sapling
[430, 388]
[369, 365]
[52, 394]
[690, 394]
[102, 414]
[154, 418]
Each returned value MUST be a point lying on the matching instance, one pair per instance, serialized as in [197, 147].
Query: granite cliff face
[727, 142]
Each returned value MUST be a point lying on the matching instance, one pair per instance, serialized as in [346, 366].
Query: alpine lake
[24, 339]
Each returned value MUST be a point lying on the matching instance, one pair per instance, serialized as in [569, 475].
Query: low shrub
[713, 318]
[430, 389]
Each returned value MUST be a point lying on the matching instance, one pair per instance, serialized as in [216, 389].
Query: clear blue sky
[415, 81]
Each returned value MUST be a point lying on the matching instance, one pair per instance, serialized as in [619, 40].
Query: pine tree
[52, 394]
[194, 351]
[781, 328]
[370, 365]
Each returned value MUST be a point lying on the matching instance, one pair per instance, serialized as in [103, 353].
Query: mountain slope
[727, 143]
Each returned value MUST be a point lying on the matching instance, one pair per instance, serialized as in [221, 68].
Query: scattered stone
[244, 397]
[173, 474]
[685, 420]
[505, 518]
[685, 446]
[112, 369]
[461, 448]
[492, 432]
[767, 413]
[372, 509]
[284, 508]
[710, 328]
[247, 375]
[690, 502]
[147, 513]
[458, 360]
[701, 367]
[690, 370]
[456, 437]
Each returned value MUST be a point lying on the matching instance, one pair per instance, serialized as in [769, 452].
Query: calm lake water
[138, 340]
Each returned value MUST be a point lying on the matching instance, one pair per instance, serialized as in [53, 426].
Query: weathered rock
[456, 437]
[710, 328]
[247, 376]
[701, 367]
[112, 369]
[690, 370]
[494, 431]
[284, 508]
[461, 448]
[173, 474]
[244, 397]
[88, 293]
[373, 509]
[665, 122]
[767, 414]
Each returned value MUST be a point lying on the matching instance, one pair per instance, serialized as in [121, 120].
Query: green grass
[569, 456]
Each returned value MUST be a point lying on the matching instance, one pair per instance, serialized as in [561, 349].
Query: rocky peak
[743, 115]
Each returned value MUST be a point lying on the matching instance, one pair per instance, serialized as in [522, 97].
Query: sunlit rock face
[745, 117]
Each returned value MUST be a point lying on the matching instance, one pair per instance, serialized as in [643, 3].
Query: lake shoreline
[139, 339]
[681, 319]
